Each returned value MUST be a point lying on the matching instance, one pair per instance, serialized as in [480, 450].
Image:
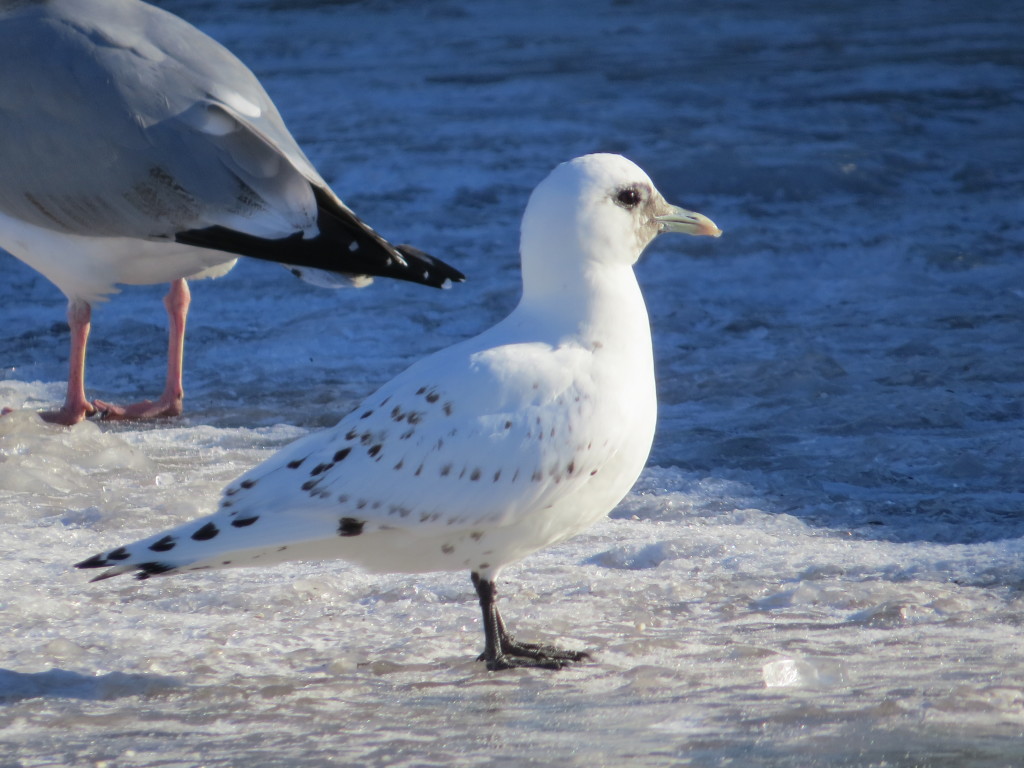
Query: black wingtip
[435, 272]
[344, 244]
[374, 257]
[96, 561]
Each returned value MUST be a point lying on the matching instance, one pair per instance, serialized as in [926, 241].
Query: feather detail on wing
[418, 455]
[190, 131]
[413, 457]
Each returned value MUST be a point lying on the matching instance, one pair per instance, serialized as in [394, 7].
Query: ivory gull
[488, 450]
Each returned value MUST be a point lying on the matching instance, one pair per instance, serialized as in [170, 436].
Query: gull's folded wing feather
[192, 139]
[419, 455]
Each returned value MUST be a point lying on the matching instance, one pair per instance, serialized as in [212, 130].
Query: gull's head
[601, 208]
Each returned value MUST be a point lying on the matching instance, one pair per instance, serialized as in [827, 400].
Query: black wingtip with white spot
[434, 271]
[344, 245]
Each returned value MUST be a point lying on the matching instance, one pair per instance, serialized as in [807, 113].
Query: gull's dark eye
[628, 197]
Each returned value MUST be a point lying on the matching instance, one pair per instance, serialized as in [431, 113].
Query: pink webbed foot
[68, 416]
[164, 408]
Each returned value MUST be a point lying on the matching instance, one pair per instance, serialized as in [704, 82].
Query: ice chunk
[806, 672]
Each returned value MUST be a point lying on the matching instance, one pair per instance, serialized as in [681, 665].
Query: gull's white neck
[595, 308]
[596, 303]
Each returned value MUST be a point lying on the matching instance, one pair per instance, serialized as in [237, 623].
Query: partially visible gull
[135, 150]
[488, 450]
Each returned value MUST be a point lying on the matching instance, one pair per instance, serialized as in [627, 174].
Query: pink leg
[75, 407]
[177, 302]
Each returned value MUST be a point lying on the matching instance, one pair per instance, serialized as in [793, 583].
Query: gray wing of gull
[119, 119]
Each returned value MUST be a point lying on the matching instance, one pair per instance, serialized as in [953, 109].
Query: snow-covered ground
[822, 566]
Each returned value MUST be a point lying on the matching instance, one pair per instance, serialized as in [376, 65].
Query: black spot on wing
[152, 569]
[247, 483]
[295, 464]
[350, 526]
[166, 544]
[206, 533]
[340, 455]
[374, 450]
[320, 468]
[120, 553]
[242, 522]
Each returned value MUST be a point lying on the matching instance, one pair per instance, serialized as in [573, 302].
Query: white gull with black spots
[486, 451]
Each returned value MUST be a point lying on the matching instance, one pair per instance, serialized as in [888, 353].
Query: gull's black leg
[501, 651]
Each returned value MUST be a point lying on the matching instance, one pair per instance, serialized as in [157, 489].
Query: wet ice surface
[822, 565]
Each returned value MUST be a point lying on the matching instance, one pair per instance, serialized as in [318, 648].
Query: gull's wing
[119, 119]
[454, 444]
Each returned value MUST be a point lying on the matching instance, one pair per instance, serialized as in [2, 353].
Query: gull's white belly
[90, 268]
